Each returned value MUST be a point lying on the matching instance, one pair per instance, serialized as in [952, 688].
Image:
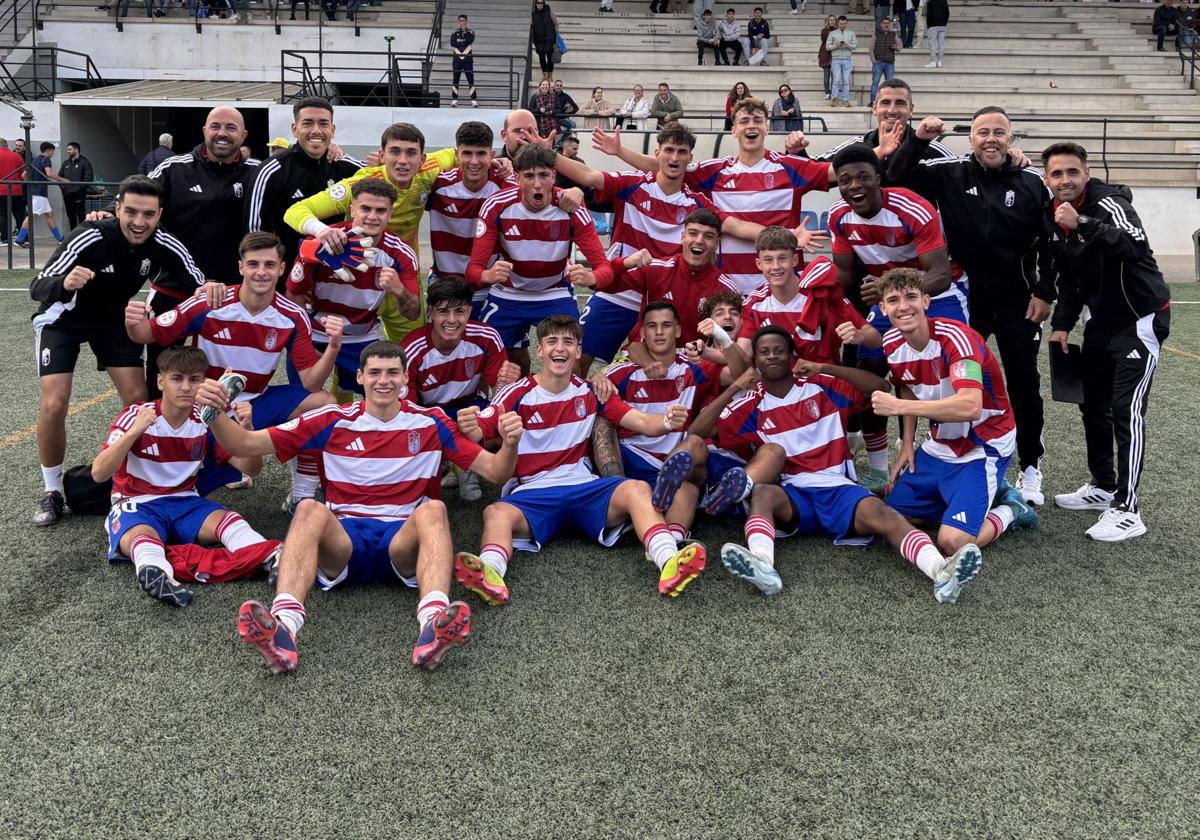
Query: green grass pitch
[1059, 699]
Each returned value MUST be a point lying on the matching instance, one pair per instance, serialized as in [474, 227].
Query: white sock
[1001, 517]
[289, 612]
[877, 451]
[918, 549]
[495, 557]
[149, 551]
[52, 478]
[303, 486]
[235, 533]
[431, 605]
[760, 538]
[660, 545]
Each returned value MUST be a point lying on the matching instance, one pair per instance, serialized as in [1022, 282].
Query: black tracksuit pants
[1118, 367]
[1018, 341]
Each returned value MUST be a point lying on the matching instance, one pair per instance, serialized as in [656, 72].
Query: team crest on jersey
[271, 339]
[681, 383]
[337, 192]
[469, 364]
[414, 443]
[167, 318]
[814, 410]
[680, 215]
[289, 425]
[237, 189]
[145, 267]
[487, 411]
[297, 272]
[891, 238]
[1009, 198]
[936, 364]
[115, 436]
[196, 450]
[769, 180]
[580, 407]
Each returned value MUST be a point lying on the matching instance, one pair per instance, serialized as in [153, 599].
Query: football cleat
[956, 573]
[157, 585]
[49, 510]
[234, 384]
[1087, 497]
[468, 487]
[731, 489]
[874, 481]
[450, 479]
[751, 568]
[269, 636]
[271, 565]
[480, 578]
[675, 469]
[450, 627]
[1025, 518]
[683, 567]
[1116, 524]
[1029, 483]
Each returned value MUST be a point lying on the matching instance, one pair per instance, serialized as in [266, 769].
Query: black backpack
[85, 497]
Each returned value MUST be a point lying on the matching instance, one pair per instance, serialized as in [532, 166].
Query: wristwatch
[1083, 220]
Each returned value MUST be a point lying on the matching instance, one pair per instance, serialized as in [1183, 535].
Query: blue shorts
[639, 464]
[958, 494]
[606, 325]
[176, 519]
[721, 461]
[346, 366]
[951, 306]
[514, 318]
[270, 408]
[369, 562]
[549, 510]
[478, 304]
[824, 510]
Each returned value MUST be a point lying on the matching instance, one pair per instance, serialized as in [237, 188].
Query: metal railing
[16, 13]
[1188, 54]
[435, 29]
[34, 73]
[16, 209]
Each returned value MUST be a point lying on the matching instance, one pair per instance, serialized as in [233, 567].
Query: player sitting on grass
[805, 415]
[380, 459]
[247, 334]
[555, 486]
[454, 362]
[946, 373]
[153, 452]
[393, 271]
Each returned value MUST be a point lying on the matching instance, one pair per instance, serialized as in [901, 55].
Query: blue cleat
[1025, 518]
[675, 469]
[751, 568]
[956, 573]
[731, 489]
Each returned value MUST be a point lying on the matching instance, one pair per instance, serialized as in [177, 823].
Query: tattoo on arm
[606, 452]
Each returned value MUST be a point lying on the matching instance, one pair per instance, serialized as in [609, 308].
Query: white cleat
[468, 487]
[957, 572]
[1087, 497]
[1116, 524]
[751, 568]
[1029, 483]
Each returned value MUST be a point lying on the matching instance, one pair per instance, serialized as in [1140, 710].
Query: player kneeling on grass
[946, 373]
[805, 414]
[379, 460]
[153, 453]
[554, 486]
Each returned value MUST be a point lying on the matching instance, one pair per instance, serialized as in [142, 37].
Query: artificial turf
[1058, 699]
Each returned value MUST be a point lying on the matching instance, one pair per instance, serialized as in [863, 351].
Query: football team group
[742, 379]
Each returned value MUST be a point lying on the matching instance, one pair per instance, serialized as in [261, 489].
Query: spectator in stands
[882, 10]
[123, 8]
[785, 112]
[736, 94]
[157, 155]
[12, 168]
[520, 127]
[564, 106]
[905, 11]
[75, 168]
[1188, 18]
[19, 201]
[597, 111]
[883, 55]
[841, 43]
[544, 105]
[666, 106]
[729, 31]
[605, 6]
[937, 15]
[293, 15]
[1166, 22]
[278, 146]
[41, 172]
[758, 38]
[352, 8]
[246, 151]
[658, 7]
[330, 8]
[699, 7]
[706, 36]
[858, 7]
[636, 109]
[824, 59]
[545, 36]
[462, 42]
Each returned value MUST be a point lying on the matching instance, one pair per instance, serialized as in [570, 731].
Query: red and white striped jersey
[448, 380]
[768, 193]
[453, 209]
[687, 384]
[164, 461]
[809, 423]
[537, 244]
[371, 467]
[812, 316]
[357, 302]
[553, 451]
[671, 280]
[231, 337]
[956, 357]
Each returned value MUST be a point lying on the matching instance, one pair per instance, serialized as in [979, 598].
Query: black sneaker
[49, 510]
[156, 584]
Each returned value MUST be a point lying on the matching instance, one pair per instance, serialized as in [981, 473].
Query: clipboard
[1066, 374]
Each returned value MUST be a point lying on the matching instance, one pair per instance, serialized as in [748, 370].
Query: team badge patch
[480, 228]
[469, 365]
[680, 215]
[936, 364]
[289, 425]
[196, 450]
[145, 267]
[297, 272]
[891, 238]
[337, 192]
[237, 189]
[958, 370]
[814, 410]
[45, 357]
[580, 407]
[167, 318]
[487, 411]
[1009, 198]
[115, 436]
[271, 339]
[414, 442]
[769, 181]
[681, 383]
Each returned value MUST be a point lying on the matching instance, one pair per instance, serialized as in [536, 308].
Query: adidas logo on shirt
[641, 394]
[451, 208]
[535, 418]
[108, 269]
[196, 189]
[357, 446]
[298, 195]
[224, 334]
[961, 516]
[908, 377]
[152, 449]
[430, 381]
[645, 205]
[768, 425]
[854, 237]
[513, 231]
[1134, 354]
[972, 190]
[730, 185]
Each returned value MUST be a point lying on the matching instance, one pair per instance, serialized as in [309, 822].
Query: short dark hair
[661, 306]
[843, 18]
[405, 133]
[899, 279]
[989, 109]
[706, 12]
[674, 132]
[451, 290]
[531, 156]
[1064, 149]
[776, 238]
[703, 216]
[374, 186]
[46, 146]
[259, 240]
[896, 82]
[139, 185]
[558, 324]
[772, 329]
[856, 153]
[75, 143]
[729, 298]
[184, 359]
[474, 133]
[311, 102]
[382, 349]
[462, 17]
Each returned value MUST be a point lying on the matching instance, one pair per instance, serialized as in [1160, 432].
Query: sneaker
[932, 64]
[480, 578]
[49, 510]
[270, 637]
[1087, 497]
[874, 481]
[474, 103]
[939, 64]
[795, 12]
[730, 490]
[683, 567]
[453, 103]
[675, 469]
[1117, 524]
[155, 583]
[751, 568]
[450, 479]
[1025, 518]
[468, 488]
[450, 627]
[1029, 483]
[956, 573]
[289, 505]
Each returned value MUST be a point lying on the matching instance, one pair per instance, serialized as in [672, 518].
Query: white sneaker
[468, 488]
[751, 568]
[794, 12]
[932, 64]
[1116, 525]
[450, 479]
[1087, 497]
[939, 64]
[1030, 485]
[956, 573]
[453, 103]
